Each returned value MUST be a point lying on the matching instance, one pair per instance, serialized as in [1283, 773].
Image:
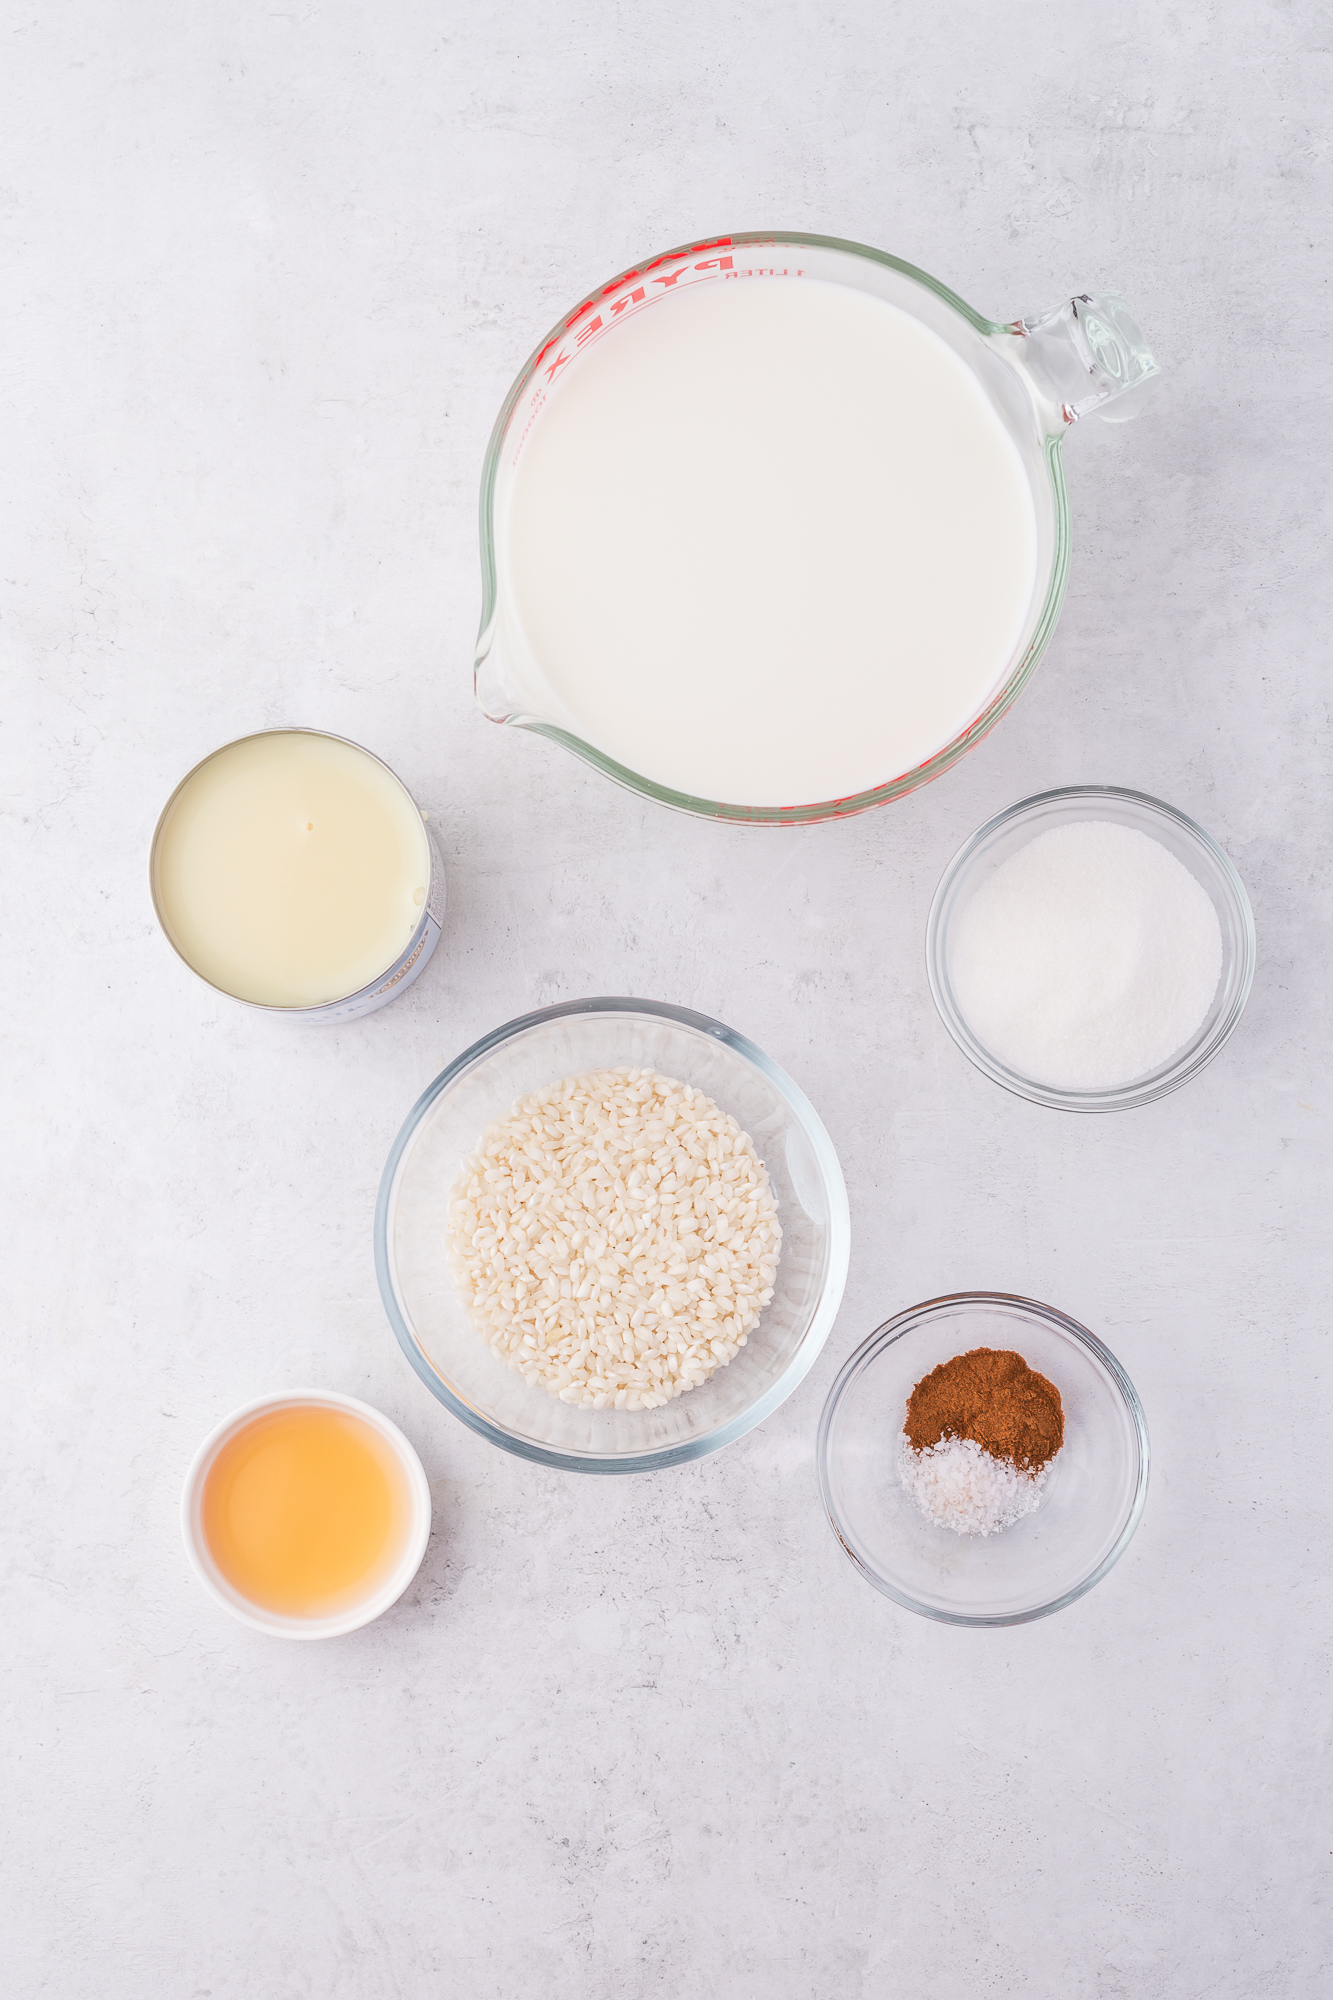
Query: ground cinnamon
[991, 1395]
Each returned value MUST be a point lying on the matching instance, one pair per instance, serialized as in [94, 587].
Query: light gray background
[271, 273]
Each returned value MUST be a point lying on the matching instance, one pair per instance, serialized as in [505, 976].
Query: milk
[291, 869]
[769, 543]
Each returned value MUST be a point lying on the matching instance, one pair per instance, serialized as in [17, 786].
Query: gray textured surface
[272, 275]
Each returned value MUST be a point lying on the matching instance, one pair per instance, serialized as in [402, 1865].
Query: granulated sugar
[958, 1485]
[1088, 958]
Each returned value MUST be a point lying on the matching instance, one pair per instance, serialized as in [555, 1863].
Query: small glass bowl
[444, 1126]
[1091, 1502]
[1001, 838]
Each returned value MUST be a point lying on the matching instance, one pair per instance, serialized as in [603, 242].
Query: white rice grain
[615, 1238]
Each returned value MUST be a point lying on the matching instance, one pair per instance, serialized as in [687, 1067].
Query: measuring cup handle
[1088, 357]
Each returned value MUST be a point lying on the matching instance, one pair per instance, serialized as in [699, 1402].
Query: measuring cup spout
[1088, 357]
[497, 697]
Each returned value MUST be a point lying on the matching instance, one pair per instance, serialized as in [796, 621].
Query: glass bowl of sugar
[1079, 1522]
[512, 1399]
[1090, 949]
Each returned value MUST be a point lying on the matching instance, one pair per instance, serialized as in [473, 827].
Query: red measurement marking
[713, 243]
[709, 264]
[723, 265]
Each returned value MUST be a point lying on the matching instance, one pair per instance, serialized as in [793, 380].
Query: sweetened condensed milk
[291, 869]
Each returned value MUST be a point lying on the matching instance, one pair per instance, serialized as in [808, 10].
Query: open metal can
[399, 973]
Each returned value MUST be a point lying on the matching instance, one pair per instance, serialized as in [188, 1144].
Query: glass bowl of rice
[1090, 1502]
[482, 1086]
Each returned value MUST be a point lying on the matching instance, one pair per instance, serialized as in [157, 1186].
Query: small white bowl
[254, 1615]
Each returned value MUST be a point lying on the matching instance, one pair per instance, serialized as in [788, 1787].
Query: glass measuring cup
[1039, 375]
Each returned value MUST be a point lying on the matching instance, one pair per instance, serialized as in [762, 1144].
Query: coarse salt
[1087, 958]
[959, 1485]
